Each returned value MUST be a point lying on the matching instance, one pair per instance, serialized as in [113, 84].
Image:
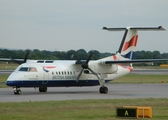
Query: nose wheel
[17, 91]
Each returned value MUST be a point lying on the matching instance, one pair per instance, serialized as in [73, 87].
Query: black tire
[42, 89]
[19, 92]
[103, 90]
[15, 92]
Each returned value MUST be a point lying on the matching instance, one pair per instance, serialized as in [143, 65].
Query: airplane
[69, 73]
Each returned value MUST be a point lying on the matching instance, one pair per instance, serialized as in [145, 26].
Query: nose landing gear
[17, 90]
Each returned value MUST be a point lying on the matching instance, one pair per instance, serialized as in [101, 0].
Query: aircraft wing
[5, 59]
[132, 61]
[19, 61]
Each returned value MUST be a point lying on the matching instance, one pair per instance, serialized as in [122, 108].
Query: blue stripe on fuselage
[52, 83]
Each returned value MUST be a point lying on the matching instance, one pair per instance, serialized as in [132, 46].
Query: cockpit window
[23, 69]
[28, 69]
[32, 69]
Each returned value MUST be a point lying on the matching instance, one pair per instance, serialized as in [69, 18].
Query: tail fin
[128, 43]
[130, 39]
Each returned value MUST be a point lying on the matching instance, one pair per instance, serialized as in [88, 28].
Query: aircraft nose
[10, 83]
[7, 83]
[12, 80]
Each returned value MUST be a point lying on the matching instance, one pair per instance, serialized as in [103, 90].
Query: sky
[62, 25]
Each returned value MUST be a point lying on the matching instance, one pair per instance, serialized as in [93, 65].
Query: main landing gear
[103, 89]
[17, 90]
[42, 89]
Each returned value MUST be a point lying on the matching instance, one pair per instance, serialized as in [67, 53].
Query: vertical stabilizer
[128, 43]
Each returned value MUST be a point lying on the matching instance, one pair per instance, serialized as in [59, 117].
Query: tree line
[80, 54]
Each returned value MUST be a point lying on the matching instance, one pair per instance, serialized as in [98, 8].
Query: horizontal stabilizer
[135, 28]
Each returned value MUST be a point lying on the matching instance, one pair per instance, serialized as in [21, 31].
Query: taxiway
[116, 91]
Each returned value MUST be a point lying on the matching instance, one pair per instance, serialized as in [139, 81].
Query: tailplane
[130, 39]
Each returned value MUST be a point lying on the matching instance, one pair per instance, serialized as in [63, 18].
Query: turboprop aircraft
[67, 73]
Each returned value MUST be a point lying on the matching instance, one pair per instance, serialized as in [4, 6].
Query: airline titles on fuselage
[61, 77]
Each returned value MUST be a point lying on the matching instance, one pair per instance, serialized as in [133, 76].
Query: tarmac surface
[116, 91]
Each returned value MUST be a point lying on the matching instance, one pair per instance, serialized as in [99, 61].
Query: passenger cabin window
[28, 69]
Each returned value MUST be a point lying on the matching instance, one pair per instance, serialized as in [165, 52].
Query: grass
[78, 109]
[3, 79]
[149, 67]
[9, 66]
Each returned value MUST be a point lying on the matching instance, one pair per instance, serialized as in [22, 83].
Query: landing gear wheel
[103, 89]
[17, 91]
[42, 89]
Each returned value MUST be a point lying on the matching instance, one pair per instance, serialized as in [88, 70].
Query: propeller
[26, 56]
[20, 61]
[85, 65]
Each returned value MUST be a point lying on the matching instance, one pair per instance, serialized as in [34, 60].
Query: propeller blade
[94, 73]
[79, 74]
[91, 53]
[85, 66]
[26, 56]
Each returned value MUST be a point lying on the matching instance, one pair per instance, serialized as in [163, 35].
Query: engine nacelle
[104, 68]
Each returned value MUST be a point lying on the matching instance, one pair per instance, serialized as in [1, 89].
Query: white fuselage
[62, 73]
